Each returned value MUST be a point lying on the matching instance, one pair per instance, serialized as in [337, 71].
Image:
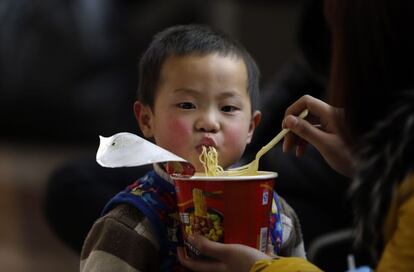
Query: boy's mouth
[207, 142]
[199, 148]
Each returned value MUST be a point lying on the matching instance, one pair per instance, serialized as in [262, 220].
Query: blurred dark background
[68, 67]
[68, 74]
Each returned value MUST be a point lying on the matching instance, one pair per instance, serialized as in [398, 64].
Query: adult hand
[321, 129]
[228, 257]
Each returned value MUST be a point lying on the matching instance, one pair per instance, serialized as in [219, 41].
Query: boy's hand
[229, 257]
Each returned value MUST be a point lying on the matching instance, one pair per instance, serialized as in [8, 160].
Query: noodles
[209, 159]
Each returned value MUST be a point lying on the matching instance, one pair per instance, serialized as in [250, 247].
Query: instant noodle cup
[227, 209]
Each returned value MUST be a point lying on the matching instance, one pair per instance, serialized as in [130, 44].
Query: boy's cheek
[237, 136]
[178, 133]
[235, 143]
[232, 137]
[178, 127]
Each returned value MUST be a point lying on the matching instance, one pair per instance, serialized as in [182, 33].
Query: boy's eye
[229, 108]
[186, 105]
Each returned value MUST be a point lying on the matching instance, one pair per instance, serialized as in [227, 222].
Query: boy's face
[201, 100]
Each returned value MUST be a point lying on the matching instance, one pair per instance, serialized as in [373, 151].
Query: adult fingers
[306, 131]
[315, 106]
[301, 147]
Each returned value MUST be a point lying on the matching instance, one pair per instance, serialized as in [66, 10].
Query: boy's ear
[143, 114]
[254, 122]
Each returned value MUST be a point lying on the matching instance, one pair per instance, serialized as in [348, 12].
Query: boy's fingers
[207, 247]
[198, 265]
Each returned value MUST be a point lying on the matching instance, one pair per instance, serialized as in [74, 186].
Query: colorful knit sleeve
[284, 264]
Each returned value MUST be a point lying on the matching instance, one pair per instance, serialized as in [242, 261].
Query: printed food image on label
[203, 220]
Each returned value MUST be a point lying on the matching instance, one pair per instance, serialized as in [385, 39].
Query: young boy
[197, 87]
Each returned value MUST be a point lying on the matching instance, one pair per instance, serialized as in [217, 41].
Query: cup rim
[263, 175]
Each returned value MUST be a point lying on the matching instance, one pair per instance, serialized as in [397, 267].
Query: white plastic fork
[251, 168]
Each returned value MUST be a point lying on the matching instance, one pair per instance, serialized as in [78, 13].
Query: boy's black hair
[190, 39]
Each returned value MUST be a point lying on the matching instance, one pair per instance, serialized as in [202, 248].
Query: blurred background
[68, 74]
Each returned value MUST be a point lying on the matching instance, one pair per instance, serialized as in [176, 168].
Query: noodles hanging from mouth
[209, 159]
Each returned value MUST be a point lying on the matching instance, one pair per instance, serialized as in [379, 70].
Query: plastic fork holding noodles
[251, 168]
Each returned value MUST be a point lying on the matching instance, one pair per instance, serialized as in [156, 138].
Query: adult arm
[398, 254]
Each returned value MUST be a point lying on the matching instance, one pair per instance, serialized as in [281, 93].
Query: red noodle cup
[226, 209]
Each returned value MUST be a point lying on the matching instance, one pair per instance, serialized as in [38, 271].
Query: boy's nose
[208, 122]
